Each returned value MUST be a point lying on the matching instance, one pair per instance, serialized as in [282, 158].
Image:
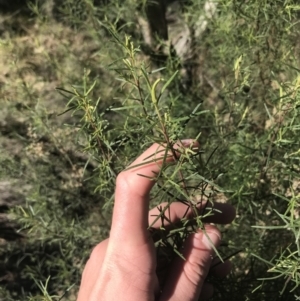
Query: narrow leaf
[165, 86]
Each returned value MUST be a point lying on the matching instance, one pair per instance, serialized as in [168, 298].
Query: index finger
[130, 215]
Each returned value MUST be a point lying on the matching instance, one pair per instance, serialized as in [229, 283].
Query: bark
[156, 14]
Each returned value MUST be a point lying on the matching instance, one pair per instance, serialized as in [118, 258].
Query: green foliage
[235, 90]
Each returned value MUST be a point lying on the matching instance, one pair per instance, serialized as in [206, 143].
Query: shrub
[231, 80]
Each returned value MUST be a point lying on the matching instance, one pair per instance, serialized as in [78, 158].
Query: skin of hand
[123, 267]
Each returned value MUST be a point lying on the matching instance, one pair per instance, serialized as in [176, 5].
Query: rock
[8, 229]
[9, 197]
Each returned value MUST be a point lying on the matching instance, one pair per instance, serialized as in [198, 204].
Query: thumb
[187, 277]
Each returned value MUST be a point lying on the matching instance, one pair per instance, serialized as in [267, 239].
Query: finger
[187, 277]
[92, 269]
[220, 269]
[206, 292]
[130, 215]
[222, 213]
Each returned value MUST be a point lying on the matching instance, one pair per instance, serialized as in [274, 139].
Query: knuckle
[122, 181]
[97, 251]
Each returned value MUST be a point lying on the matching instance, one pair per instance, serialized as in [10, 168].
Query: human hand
[123, 267]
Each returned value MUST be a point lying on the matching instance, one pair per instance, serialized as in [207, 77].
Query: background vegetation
[236, 91]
